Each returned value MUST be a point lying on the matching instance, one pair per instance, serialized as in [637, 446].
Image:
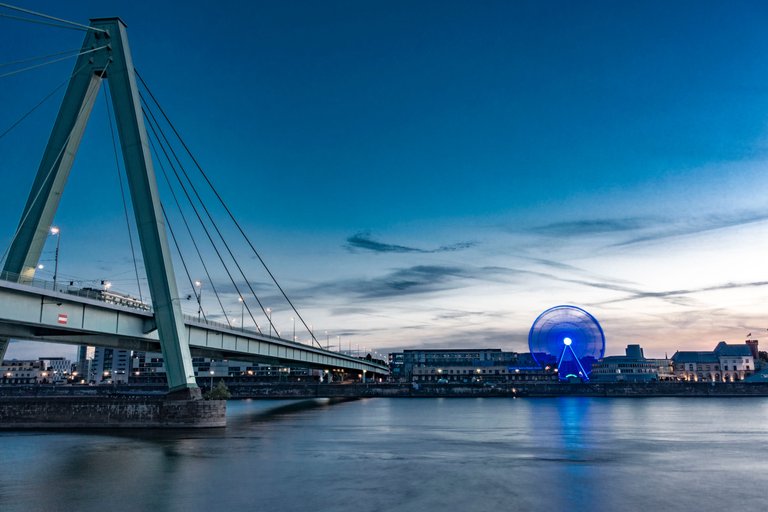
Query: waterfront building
[82, 373]
[726, 363]
[22, 371]
[109, 366]
[631, 367]
[59, 368]
[466, 366]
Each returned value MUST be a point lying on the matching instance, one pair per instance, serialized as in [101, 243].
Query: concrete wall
[113, 412]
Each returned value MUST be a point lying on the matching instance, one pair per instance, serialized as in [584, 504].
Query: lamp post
[55, 231]
[327, 342]
[269, 317]
[211, 372]
[242, 313]
[199, 286]
[293, 320]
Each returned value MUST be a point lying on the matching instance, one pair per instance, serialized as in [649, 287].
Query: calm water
[410, 455]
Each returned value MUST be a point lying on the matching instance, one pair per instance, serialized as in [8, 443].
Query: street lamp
[55, 231]
[293, 320]
[269, 317]
[242, 312]
[199, 286]
[211, 372]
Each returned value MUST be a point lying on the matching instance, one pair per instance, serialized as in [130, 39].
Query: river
[473, 454]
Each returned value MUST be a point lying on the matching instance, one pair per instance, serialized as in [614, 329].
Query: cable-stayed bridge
[198, 241]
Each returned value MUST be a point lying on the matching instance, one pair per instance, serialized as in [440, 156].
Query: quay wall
[109, 412]
[537, 389]
[239, 390]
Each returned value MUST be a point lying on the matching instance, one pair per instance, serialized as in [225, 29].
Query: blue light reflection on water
[407, 455]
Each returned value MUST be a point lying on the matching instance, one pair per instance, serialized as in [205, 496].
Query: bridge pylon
[106, 56]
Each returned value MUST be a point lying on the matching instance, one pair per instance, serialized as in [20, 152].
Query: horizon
[438, 174]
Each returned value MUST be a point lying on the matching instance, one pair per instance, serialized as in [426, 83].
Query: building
[22, 372]
[465, 366]
[727, 363]
[631, 367]
[109, 366]
[59, 369]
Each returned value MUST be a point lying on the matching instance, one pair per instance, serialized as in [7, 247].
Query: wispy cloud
[698, 225]
[593, 226]
[679, 296]
[364, 241]
[414, 280]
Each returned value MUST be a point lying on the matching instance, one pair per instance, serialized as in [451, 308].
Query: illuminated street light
[55, 231]
[242, 312]
[269, 317]
[199, 286]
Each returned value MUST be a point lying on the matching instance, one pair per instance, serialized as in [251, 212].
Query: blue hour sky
[437, 173]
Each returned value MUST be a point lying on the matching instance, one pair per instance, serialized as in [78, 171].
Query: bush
[219, 392]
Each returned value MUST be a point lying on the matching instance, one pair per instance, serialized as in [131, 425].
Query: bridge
[34, 311]
[31, 309]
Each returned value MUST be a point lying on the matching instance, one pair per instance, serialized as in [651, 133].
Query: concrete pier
[110, 412]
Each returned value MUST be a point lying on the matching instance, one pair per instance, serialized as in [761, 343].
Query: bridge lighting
[242, 312]
[40, 266]
[269, 317]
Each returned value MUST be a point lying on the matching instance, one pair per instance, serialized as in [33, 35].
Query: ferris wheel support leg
[583, 371]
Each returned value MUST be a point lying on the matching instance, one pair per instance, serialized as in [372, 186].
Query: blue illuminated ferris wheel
[569, 338]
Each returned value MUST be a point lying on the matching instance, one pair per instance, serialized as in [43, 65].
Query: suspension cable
[183, 263]
[46, 16]
[178, 205]
[229, 212]
[122, 194]
[41, 57]
[48, 174]
[30, 111]
[35, 66]
[39, 22]
[213, 223]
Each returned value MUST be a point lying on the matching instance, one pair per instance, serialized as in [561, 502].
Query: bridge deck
[34, 312]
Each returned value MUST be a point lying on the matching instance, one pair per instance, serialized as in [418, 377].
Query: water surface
[600, 454]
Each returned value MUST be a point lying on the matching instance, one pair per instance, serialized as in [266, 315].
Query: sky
[437, 173]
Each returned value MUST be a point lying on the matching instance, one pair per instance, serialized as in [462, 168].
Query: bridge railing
[103, 295]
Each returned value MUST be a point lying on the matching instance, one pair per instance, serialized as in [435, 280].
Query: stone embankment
[20, 412]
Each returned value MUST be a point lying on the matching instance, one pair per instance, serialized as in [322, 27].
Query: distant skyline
[437, 173]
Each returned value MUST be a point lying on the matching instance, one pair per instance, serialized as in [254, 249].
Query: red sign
[62, 318]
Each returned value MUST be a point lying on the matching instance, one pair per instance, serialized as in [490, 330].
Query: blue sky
[428, 174]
